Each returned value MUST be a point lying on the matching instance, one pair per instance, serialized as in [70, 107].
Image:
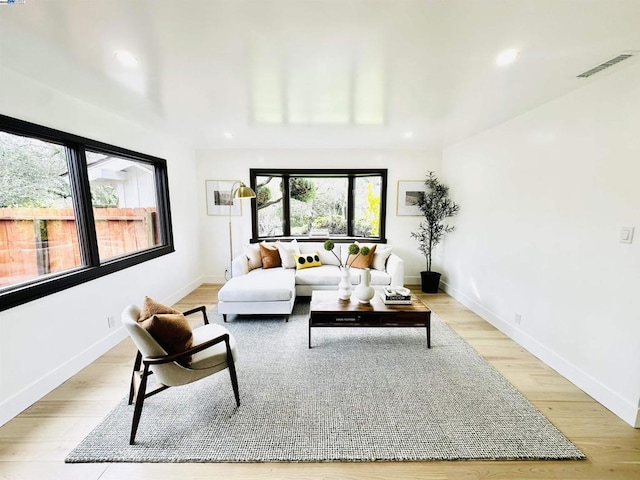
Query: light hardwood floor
[35, 443]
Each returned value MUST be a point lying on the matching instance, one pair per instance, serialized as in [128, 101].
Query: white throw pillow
[286, 251]
[252, 251]
[380, 258]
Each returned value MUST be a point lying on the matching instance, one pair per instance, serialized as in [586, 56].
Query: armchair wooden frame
[141, 371]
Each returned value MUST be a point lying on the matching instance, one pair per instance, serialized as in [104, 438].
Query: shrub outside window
[73, 209]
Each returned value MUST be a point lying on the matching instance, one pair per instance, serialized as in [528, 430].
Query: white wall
[44, 342]
[542, 200]
[235, 165]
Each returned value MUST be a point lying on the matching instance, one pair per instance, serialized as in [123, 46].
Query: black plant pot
[430, 282]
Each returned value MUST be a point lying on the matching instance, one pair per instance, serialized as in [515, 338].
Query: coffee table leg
[309, 333]
[429, 333]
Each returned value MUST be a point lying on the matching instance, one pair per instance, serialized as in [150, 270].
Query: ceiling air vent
[607, 64]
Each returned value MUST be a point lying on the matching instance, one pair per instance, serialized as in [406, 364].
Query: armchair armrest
[202, 309]
[395, 268]
[176, 357]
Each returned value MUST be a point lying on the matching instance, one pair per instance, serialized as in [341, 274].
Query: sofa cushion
[260, 285]
[324, 275]
[307, 260]
[380, 258]
[270, 255]
[252, 251]
[380, 278]
[287, 250]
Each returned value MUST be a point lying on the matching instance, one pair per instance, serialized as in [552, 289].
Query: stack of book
[396, 296]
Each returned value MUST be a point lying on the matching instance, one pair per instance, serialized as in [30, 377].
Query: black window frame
[350, 173]
[91, 267]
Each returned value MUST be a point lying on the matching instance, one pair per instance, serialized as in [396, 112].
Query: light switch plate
[626, 235]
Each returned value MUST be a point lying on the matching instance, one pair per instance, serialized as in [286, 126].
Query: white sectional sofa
[254, 290]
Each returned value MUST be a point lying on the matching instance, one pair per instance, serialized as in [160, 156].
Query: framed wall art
[219, 198]
[409, 192]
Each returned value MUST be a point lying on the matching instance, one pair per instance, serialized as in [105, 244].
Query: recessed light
[125, 58]
[228, 135]
[507, 57]
[407, 134]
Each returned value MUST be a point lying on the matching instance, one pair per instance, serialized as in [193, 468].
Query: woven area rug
[361, 394]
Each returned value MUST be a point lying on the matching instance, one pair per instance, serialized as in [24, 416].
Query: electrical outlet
[626, 235]
[110, 321]
[518, 318]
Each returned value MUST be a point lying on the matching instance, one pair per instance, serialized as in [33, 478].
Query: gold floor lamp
[241, 192]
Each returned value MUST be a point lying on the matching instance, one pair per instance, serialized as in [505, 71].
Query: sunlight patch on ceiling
[328, 86]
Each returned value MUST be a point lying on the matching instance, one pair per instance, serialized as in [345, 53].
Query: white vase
[364, 291]
[344, 287]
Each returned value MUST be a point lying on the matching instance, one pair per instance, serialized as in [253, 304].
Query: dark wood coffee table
[327, 310]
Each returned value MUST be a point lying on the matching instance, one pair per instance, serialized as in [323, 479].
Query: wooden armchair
[213, 350]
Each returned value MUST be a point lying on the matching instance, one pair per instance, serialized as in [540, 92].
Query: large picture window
[347, 204]
[73, 209]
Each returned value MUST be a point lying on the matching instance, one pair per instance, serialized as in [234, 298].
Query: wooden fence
[40, 241]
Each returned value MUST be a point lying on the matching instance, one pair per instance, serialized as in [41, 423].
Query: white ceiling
[317, 73]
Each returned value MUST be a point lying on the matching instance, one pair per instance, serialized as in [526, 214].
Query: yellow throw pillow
[307, 260]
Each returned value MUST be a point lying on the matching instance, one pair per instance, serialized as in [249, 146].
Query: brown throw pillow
[362, 261]
[172, 332]
[151, 307]
[270, 255]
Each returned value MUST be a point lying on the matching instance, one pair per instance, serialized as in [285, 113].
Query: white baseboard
[39, 388]
[622, 407]
[182, 292]
[216, 279]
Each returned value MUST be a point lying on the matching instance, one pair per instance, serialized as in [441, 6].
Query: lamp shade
[244, 192]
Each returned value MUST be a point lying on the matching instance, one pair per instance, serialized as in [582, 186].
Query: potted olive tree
[436, 206]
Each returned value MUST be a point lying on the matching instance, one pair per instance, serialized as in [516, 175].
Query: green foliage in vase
[353, 250]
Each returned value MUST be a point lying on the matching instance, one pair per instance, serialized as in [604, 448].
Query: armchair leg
[137, 412]
[234, 383]
[232, 373]
[136, 371]
[224, 317]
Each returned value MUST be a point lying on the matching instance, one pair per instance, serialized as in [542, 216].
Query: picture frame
[219, 198]
[408, 194]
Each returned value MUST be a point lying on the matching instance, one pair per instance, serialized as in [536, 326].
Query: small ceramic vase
[364, 291]
[344, 287]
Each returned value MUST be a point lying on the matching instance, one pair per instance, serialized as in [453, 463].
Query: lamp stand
[230, 271]
[241, 192]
